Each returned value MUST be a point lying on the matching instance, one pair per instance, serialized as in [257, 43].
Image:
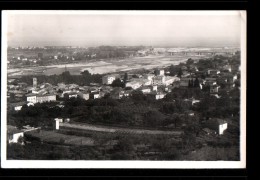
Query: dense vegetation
[129, 147]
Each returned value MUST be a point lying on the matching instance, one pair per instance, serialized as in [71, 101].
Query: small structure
[169, 80]
[94, 95]
[184, 82]
[35, 98]
[84, 95]
[13, 134]
[133, 84]
[146, 89]
[57, 123]
[159, 95]
[159, 80]
[34, 82]
[108, 79]
[159, 72]
[218, 125]
[214, 89]
[149, 76]
[213, 72]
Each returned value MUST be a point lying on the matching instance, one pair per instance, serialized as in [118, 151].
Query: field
[110, 129]
[54, 137]
[106, 65]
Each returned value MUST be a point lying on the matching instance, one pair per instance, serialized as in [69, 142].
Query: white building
[35, 98]
[108, 79]
[214, 89]
[84, 95]
[32, 98]
[213, 72]
[184, 82]
[169, 80]
[159, 80]
[146, 90]
[222, 127]
[159, 72]
[13, 134]
[57, 123]
[149, 76]
[154, 88]
[133, 84]
[160, 96]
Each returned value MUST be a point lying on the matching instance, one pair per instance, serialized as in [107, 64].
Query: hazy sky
[95, 30]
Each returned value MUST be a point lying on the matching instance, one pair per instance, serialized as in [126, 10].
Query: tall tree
[196, 83]
[125, 77]
[180, 73]
[118, 83]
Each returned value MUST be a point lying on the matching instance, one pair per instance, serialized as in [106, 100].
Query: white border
[123, 12]
[125, 164]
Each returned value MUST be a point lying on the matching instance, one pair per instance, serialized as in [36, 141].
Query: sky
[158, 30]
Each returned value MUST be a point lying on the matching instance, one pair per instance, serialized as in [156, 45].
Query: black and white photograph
[123, 89]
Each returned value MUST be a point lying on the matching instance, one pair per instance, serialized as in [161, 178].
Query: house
[13, 134]
[45, 98]
[146, 89]
[84, 95]
[141, 53]
[154, 87]
[227, 68]
[223, 125]
[35, 98]
[160, 95]
[218, 125]
[159, 80]
[214, 89]
[127, 93]
[61, 85]
[32, 98]
[94, 95]
[108, 79]
[169, 80]
[57, 123]
[159, 72]
[213, 72]
[149, 76]
[71, 95]
[17, 106]
[231, 78]
[184, 82]
[211, 81]
[133, 84]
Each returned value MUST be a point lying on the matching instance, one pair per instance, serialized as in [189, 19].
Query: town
[176, 112]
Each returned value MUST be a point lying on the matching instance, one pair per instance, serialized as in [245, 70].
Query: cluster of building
[155, 83]
[222, 78]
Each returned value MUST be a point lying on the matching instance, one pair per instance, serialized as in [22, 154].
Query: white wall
[222, 128]
[16, 137]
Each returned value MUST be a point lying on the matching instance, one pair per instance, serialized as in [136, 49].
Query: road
[110, 129]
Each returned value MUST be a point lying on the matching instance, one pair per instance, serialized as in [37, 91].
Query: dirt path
[118, 130]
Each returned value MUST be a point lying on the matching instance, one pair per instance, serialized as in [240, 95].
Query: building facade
[108, 79]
